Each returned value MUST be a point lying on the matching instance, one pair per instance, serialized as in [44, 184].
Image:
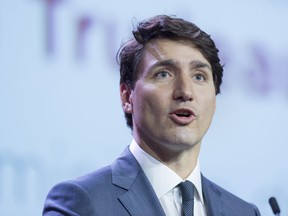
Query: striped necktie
[187, 189]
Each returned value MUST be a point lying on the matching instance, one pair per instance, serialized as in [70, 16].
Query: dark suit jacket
[123, 189]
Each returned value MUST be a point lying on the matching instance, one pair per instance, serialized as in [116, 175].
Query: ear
[125, 94]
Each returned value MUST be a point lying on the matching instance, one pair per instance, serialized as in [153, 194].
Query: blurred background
[60, 113]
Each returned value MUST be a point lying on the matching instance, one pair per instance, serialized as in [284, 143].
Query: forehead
[182, 51]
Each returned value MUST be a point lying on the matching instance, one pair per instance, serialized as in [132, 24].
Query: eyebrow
[195, 64]
[199, 64]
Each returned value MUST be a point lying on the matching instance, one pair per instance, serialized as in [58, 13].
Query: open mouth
[182, 116]
[183, 113]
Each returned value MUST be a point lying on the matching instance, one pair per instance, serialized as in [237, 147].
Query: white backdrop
[60, 114]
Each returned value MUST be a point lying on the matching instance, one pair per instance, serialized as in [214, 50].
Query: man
[170, 76]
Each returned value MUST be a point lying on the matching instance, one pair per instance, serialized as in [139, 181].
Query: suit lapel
[140, 198]
[212, 197]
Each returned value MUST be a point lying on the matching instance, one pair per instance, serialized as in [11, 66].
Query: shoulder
[229, 202]
[69, 196]
[87, 183]
[95, 179]
[93, 192]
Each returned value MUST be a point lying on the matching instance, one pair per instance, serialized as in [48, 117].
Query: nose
[183, 88]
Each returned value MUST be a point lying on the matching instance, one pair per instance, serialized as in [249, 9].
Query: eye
[199, 77]
[162, 74]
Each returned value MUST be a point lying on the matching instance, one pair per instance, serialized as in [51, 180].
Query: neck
[182, 160]
[184, 165]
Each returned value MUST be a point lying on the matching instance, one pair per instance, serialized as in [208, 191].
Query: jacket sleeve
[69, 199]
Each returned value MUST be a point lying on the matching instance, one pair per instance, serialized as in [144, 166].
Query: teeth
[183, 113]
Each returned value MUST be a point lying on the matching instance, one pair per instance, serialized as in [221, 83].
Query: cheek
[141, 93]
[149, 103]
[213, 104]
[207, 105]
[211, 107]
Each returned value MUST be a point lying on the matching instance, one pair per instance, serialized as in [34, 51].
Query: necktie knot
[187, 189]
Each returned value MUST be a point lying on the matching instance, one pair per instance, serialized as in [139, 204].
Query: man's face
[173, 101]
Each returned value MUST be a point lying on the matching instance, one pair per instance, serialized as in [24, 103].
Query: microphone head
[274, 205]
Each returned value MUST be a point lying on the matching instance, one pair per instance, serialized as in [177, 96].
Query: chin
[184, 141]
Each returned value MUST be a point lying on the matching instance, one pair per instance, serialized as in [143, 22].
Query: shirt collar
[162, 178]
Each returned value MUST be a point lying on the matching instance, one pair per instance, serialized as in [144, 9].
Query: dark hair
[163, 26]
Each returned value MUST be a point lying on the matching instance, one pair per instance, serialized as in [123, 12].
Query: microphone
[274, 206]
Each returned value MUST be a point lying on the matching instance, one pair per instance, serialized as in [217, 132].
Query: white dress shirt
[164, 182]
